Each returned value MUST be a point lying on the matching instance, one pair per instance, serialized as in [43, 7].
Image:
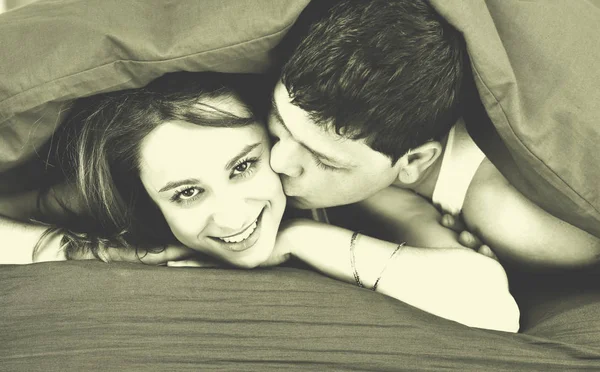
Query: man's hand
[465, 237]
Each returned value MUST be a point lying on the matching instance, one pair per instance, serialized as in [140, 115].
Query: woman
[203, 161]
[185, 160]
[195, 184]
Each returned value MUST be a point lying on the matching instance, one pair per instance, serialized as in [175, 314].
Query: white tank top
[460, 161]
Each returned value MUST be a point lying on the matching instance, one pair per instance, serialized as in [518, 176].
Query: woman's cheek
[269, 184]
[185, 225]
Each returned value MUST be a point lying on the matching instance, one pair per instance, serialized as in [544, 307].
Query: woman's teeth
[241, 236]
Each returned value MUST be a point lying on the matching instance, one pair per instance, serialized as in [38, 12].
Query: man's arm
[454, 283]
[397, 215]
[521, 232]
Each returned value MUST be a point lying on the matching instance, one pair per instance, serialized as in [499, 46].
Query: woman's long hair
[98, 150]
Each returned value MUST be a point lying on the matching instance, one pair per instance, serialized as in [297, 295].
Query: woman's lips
[243, 235]
[246, 243]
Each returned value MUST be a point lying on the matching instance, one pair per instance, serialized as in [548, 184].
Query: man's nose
[285, 159]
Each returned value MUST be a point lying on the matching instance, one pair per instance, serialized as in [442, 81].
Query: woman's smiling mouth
[241, 236]
[244, 239]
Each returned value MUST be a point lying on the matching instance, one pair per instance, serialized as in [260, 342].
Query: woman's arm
[48, 206]
[19, 206]
[454, 283]
[18, 240]
[19, 236]
[519, 231]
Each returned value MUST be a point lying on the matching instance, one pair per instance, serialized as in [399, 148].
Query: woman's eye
[241, 167]
[186, 195]
[245, 168]
[189, 193]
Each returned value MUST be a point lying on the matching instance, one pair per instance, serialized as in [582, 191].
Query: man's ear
[414, 164]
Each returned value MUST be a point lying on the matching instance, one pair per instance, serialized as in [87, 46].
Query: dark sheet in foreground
[88, 316]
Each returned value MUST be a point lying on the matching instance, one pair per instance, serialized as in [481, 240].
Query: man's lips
[289, 188]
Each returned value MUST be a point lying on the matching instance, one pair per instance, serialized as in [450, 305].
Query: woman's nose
[229, 215]
[285, 159]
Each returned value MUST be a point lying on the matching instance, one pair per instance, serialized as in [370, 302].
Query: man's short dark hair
[390, 71]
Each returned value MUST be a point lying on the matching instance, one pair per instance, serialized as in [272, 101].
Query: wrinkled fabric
[536, 67]
[56, 51]
[91, 316]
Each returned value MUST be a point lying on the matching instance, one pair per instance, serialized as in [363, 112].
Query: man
[366, 101]
[364, 88]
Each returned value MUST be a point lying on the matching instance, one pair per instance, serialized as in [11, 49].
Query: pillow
[56, 51]
[87, 316]
[537, 70]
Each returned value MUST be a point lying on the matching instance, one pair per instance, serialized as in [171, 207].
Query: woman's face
[215, 186]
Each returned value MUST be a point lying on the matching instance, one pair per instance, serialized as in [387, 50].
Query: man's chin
[302, 203]
[299, 203]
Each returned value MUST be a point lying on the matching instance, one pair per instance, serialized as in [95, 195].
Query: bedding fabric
[88, 316]
[536, 67]
[56, 51]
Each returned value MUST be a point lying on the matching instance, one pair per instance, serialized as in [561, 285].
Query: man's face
[319, 168]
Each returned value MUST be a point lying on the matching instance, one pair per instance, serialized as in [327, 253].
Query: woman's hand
[285, 242]
[198, 260]
[171, 253]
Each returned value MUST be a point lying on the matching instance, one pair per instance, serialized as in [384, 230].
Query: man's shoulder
[486, 194]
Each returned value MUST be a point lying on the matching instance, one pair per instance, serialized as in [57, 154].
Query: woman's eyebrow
[241, 154]
[191, 181]
[174, 184]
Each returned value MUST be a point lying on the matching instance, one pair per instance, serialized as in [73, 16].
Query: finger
[487, 251]
[469, 240]
[170, 253]
[453, 223]
[193, 263]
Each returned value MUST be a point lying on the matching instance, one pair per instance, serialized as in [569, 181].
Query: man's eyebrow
[241, 154]
[318, 154]
[230, 164]
[275, 111]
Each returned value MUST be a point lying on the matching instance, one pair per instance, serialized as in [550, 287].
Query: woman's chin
[248, 265]
[251, 260]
